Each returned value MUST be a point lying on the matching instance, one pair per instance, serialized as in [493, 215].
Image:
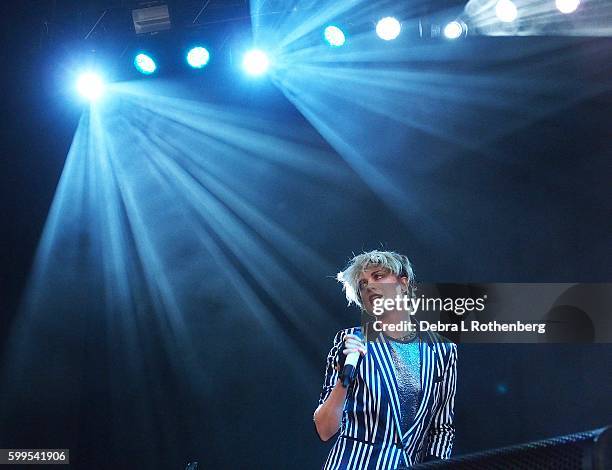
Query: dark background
[534, 205]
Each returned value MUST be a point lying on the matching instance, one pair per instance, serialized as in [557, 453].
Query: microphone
[350, 368]
[349, 371]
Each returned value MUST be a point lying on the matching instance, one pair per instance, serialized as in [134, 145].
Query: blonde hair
[394, 262]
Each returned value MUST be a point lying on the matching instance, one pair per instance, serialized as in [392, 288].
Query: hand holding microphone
[353, 348]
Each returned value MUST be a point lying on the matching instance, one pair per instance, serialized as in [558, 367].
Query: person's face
[378, 282]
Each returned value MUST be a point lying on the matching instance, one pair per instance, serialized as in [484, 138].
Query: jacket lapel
[428, 369]
[381, 356]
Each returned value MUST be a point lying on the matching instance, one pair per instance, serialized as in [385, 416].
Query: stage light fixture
[334, 36]
[506, 11]
[567, 6]
[145, 64]
[453, 30]
[151, 19]
[388, 28]
[90, 86]
[198, 57]
[255, 62]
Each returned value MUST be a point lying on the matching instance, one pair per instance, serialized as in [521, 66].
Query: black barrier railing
[589, 450]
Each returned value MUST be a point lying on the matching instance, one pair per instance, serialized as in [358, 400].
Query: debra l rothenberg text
[472, 326]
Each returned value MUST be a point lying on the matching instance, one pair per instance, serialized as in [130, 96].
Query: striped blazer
[370, 435]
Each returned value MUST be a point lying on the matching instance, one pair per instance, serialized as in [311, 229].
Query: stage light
[255, 62]
[334, 36]
[506, 11]
[388, 28]
[198, 57]
[90, 86]
[145, 64]
[151, 19]
[567, 6]
[453, 30]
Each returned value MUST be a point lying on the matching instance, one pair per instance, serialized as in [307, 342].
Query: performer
[398, 410]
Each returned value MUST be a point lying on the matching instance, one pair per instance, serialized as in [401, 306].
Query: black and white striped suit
[370, 434]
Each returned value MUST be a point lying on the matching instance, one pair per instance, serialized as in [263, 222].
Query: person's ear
[404, 282]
